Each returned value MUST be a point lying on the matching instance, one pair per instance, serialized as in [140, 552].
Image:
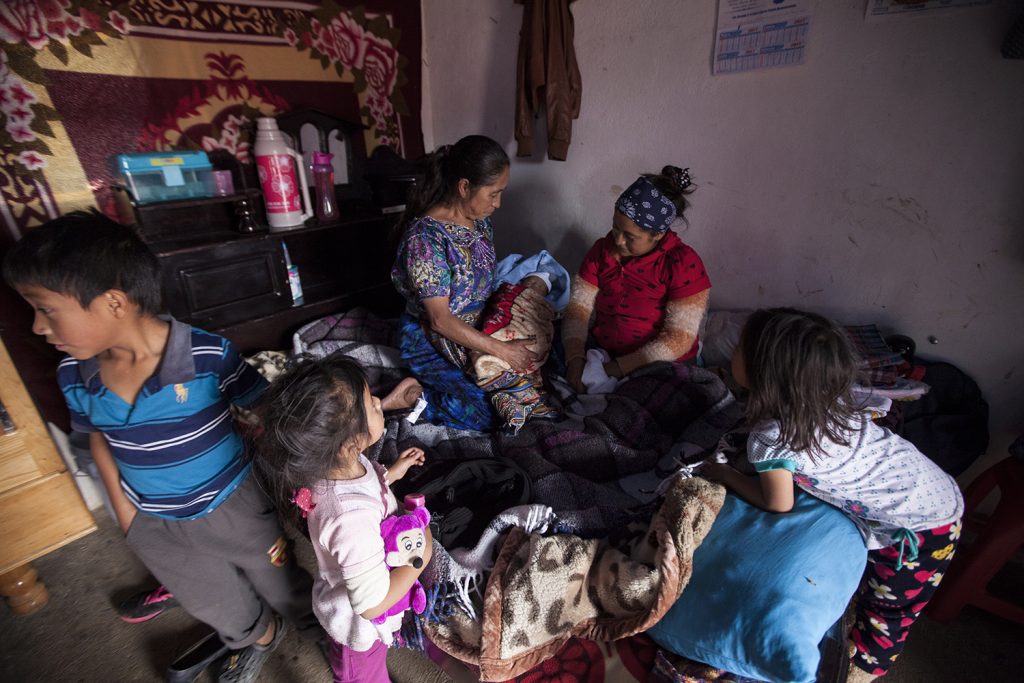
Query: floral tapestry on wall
[84, 80]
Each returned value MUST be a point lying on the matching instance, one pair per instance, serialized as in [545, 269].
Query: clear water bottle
[323, 181]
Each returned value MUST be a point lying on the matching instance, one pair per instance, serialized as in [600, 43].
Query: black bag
[949, 424]
[463, 496]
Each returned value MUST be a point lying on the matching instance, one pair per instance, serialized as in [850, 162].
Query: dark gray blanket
[601, 466]
[605, 455]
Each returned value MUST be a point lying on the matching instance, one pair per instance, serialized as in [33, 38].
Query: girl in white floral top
[808, 431]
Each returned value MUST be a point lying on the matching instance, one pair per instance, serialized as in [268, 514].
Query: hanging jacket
[547, 74]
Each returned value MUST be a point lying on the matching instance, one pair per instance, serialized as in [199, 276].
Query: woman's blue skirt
[453, 399]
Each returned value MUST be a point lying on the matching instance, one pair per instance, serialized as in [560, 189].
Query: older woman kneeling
[445, 271]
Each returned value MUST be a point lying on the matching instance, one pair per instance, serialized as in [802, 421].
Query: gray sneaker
[243, 666]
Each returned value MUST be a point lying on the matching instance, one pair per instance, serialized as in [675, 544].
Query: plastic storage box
[165, 176]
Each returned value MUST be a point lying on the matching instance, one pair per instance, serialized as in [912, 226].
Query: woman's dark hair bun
[675, 184]
[679, 177]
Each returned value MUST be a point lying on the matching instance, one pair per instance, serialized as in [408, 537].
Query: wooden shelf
[194, 201]
[237, 283]
[355, 216]
[274, 332]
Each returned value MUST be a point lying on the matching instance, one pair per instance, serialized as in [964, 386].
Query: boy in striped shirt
[154, 394]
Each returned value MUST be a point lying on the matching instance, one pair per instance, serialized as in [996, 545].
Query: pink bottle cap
[322, 158]
[415, 500]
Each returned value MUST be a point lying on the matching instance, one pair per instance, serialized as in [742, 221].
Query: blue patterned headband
[645, 205]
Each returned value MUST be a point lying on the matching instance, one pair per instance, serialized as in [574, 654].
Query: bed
[609, 566]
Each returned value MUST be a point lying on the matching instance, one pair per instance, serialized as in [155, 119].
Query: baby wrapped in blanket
[517, 311]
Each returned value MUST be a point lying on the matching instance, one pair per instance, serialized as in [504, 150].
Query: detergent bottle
[276, 164]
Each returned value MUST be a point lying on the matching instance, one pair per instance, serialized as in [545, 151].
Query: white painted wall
[883, 181]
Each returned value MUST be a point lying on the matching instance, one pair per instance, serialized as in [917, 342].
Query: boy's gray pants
[231, 568]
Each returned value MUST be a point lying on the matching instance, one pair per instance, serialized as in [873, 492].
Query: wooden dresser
[236, 283]
[40, 507]
[223, 271]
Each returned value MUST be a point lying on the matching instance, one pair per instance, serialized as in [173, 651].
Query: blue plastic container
[166, 176]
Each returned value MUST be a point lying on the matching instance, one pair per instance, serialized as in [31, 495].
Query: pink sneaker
[146, 605]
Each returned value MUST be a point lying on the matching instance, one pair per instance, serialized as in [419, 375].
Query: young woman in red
[640, 293]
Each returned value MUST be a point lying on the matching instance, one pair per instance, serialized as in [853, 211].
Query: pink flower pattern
[343, 41]
[93, 21]
[32, 161]
[230, 139]
[349, 41]
[380, 65]
[894, 599]
[20, 132]
[16, 101]
[119, 22]
[804, 481]
[37, 21]
[856, 508]
[21, 94]
[21, 115]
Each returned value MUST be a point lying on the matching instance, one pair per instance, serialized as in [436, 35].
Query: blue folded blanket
[515, 267]
[765, 589]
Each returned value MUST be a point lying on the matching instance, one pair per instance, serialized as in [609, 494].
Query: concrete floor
[78, 637]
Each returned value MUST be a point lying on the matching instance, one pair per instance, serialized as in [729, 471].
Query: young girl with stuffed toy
[807, 429]
[318, 418]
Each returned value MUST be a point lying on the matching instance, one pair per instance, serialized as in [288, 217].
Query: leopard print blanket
[544, 590]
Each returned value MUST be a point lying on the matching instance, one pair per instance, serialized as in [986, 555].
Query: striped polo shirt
[177, 449]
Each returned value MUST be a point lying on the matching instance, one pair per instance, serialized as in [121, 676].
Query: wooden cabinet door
[40, 507]
[225, 283]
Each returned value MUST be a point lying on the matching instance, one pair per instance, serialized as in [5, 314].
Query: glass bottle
[294, 282]
[323, 180]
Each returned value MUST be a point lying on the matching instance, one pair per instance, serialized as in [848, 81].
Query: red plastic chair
[999, 538]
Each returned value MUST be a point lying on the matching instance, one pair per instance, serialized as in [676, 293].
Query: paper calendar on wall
[759, 34]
